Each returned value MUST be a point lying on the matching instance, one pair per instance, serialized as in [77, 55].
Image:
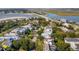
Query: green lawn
[1, 34]
[61, 13]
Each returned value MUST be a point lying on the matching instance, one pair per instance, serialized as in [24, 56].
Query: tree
[70, 34]
[39, 45]
[16, 45]
[26, 44]
[40, 31]
[23, 43]
[59, 34]
[43, 22]
[62, 46]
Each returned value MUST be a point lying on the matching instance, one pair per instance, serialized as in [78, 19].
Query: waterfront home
[63, 20]
[45, 35]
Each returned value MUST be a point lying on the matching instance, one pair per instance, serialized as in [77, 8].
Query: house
[47, 32]
[6, 44]
[24, 29]
[63, 20]
[21, 31]
[48, 29]
[52, 47]
[14, 31]
[14, 34]
[9, 36]
[51, 44]
[1, 39]
[65, 24]
[45, 35]
[29, 26]
[74, 43]
[49, 41]
[66, 29]
[77, 23]
[72, 40]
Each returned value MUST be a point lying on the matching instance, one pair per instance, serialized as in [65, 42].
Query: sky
[38, 3]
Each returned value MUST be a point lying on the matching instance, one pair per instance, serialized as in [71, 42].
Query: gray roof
[72, 39]
[8, 43]
[77, 46]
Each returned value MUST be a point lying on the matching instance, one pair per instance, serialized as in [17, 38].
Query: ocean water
[69, 18]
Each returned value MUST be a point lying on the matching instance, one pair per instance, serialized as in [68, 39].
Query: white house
[65, 24]
[10, 36]
[63, 20]
[29, 26]
[47, 32]
[47, 36]
[74, 43]
[64, 29]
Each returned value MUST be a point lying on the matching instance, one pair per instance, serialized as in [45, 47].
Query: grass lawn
[64, 13]
[1, 34]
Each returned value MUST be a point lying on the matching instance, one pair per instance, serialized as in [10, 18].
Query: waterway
[69, 18]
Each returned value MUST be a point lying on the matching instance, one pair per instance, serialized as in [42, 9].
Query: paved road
[47, 18]
[15, 15]
[46, 46]
[19, 15]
